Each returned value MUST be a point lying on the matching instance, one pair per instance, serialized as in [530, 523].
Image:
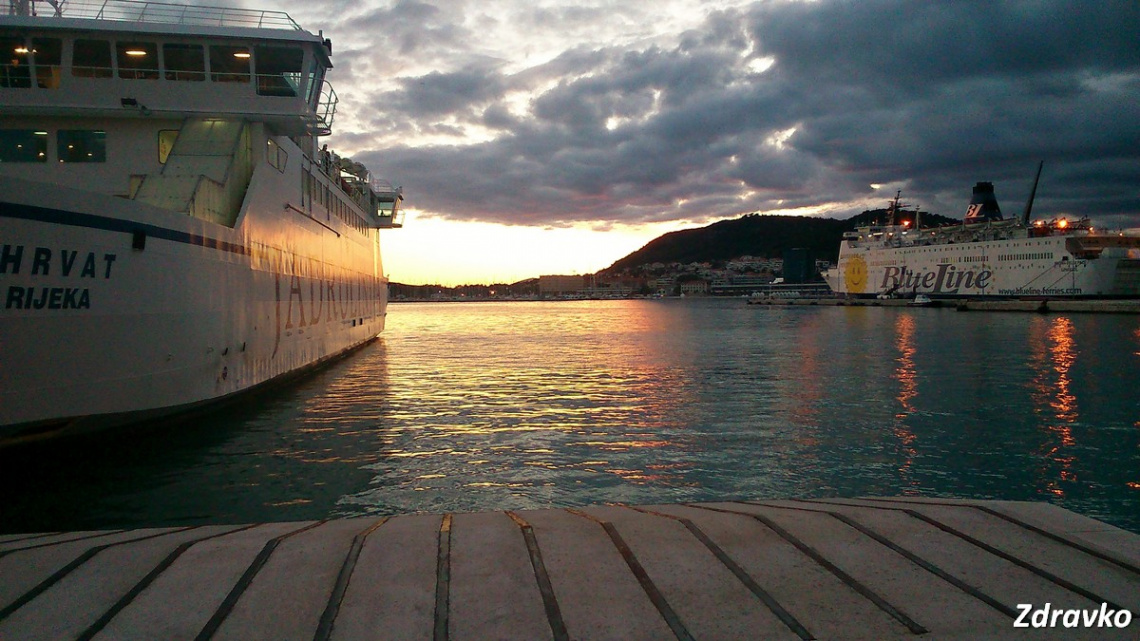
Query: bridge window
[137, 60]
[229, 64]
[48, 55]
[184, 62]
[15, 72]
[278, 70]
[276, 156]
[23, 145]
[91, 59]
[166, 140]
[81, 145]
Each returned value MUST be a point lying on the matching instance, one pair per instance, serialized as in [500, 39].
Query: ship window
[137, 60]
[81, 145]
[229, 64]
[48, 54]
[276, 156]
[184, 62]
[91, 59]
[278, 70]
[23, 145]
[15, 72]
[166, 138]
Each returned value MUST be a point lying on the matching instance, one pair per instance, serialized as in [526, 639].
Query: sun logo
[855, 275]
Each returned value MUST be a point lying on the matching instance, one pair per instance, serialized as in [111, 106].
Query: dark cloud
[929, 97]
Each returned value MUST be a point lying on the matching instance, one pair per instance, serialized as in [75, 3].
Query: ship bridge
[130, 59]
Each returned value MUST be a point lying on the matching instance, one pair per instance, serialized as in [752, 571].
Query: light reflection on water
[476, 406]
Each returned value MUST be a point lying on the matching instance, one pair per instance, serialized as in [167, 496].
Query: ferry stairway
[206, 174]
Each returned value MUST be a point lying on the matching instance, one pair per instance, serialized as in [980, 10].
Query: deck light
[241, 54]
[21, 50]
[135, 52]
[1062, 223]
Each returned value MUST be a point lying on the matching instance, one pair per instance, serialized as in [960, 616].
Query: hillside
[756, 235]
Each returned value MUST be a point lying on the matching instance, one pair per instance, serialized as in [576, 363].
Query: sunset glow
[557, 137]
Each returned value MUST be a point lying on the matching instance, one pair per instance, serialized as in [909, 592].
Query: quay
[872, 568]
[1121, 306]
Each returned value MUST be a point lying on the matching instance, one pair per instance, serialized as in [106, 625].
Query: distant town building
[691, 287]
[799, 266]
[556, 285]
[738, 285]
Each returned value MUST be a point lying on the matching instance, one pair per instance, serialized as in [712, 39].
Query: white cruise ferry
[171, 232]
[987, 256]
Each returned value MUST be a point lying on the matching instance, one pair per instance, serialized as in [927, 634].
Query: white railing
[326, 110]
[156, 13]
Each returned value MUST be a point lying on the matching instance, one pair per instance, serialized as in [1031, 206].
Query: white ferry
[987, 256]
[171, 233]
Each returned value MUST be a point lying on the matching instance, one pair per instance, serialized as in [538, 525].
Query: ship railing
[326, 110]
[143, 11]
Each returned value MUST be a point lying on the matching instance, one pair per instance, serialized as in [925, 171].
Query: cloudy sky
[550, 136]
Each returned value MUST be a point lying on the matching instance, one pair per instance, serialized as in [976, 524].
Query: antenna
[1032, 193]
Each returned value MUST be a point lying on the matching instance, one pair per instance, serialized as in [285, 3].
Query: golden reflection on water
[907, 376]
[530, 411]
[1053, 352]
[905, 372]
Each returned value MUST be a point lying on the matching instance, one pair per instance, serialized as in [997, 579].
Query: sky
[548, 136]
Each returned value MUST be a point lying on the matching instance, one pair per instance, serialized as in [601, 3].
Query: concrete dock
[897, 568]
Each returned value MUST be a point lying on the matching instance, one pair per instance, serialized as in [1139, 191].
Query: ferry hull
[115, 311]
[1008, 268]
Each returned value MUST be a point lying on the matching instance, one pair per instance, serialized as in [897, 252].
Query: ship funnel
[983, 205]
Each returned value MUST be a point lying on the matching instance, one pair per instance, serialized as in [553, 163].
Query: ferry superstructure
[171, 231]
[987, 256]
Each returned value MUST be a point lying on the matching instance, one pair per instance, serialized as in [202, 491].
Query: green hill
[756, 235]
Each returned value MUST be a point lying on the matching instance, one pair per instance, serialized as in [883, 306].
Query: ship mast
[1032, 193]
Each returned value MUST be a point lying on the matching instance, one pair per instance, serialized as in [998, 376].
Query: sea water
[521, 405]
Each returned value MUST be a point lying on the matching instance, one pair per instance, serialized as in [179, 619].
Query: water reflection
[527, 405]
[1053, 355]
[907, 376]
[905, 372]
[515, 420]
